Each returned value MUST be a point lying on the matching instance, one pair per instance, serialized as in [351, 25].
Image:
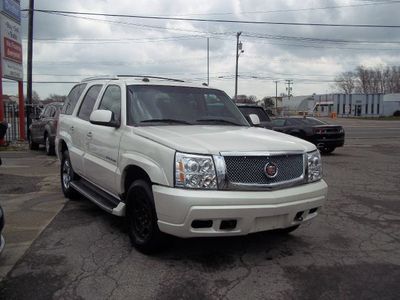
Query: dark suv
[247, 109]
[43, 130]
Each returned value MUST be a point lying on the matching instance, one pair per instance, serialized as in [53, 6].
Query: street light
[239, 50]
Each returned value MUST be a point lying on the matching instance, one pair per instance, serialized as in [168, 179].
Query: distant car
[3, 130]
[2, 242]
[325, 136]
[43, 129]
[247, 109]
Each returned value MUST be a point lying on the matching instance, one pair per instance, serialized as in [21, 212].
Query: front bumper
[253, 211]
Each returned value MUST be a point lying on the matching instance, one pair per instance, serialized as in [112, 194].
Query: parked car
[43, 130]
[3, 131]
[180, 159]
[248, 109]
[2, 241]
[325, 136]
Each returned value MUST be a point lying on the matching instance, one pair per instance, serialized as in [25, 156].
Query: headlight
[195, 171]
[314, 166]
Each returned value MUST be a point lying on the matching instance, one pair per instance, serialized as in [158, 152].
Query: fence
[11, 117]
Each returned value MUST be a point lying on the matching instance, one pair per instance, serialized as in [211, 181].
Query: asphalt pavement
[350, 251]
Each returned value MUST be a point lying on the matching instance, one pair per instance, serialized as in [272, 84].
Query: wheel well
[132, 173]
[63, 147]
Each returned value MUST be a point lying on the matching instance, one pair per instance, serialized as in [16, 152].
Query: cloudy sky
[69, 48]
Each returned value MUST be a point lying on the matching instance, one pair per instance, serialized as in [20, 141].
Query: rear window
[72, 99]
[278, 122]
[259, 111]
[312, 121]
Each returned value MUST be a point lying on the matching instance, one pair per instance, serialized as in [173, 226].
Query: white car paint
[104, 158]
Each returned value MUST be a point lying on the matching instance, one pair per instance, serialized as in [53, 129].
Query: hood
[206, 139]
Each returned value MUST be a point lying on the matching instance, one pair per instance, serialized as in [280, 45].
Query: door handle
[89, 135]
[71, 129]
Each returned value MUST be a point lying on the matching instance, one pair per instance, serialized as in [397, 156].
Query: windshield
[259, 111]
[155, 105]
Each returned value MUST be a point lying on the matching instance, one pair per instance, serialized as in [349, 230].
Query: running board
[105, 201]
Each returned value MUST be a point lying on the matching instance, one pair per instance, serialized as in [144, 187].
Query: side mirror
[104, 118]
[255, 120]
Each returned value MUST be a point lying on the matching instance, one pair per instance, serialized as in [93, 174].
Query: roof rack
[154, 77]
[111, 77]
[100, 77]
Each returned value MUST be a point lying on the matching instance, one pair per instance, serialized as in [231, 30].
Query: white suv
[180, 159]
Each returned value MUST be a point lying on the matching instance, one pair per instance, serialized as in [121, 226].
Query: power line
[292, 10]
[217, 35]
[216, 20]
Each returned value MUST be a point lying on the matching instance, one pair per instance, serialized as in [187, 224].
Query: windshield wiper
[166, 121]
[219, 121]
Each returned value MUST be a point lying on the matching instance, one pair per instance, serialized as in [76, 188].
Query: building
[344, 105]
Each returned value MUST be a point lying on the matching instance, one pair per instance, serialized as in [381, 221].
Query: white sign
[11, 8]
[11, 48]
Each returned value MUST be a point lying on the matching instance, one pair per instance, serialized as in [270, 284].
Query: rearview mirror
[103, 117]
[255, 120]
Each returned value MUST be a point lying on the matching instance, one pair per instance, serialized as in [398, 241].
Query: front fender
[155, 170]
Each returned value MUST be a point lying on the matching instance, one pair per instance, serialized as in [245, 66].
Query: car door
[103, 143]
[78, 128]
[38, 125]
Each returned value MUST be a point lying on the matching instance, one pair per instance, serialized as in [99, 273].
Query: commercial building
[344, 105]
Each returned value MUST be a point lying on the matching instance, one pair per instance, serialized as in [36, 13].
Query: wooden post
[21, 110]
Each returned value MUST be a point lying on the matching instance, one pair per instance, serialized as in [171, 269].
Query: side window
[45, 112]
[52, 112]
[112, 101]
[72, 99]
[289, 122]
[88, 102]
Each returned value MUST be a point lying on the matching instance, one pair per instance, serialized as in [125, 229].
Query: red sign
[12, 50]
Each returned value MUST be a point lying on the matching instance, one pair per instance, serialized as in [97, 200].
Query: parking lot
[74, 250]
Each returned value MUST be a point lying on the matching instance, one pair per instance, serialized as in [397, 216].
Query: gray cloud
[181, 57]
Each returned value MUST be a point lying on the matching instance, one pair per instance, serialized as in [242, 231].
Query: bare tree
[246, 99]
[369, 80]
[346, 82]
[268, 102]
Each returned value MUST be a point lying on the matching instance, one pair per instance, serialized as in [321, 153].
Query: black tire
[67, 175]
[326, 150]
[48, 146]
[141, 218]
[32, 145]
[288, 229]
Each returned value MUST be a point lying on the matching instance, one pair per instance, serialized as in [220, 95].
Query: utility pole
[29, 65]
[289, 89]
[276, 95]
[238, 51]
[208, 61]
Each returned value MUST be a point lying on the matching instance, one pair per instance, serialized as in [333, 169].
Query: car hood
[215, 139]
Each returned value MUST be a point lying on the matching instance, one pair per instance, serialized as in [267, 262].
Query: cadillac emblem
[271, 170]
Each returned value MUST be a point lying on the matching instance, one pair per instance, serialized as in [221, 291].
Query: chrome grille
[250, 169]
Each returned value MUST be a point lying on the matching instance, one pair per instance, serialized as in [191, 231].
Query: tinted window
[112, 101]
[181, 105]
[278, 122]
[72, 99]
[259, 111]
[312, 121]
[52, 111]
[46, 112]
[88, 102]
